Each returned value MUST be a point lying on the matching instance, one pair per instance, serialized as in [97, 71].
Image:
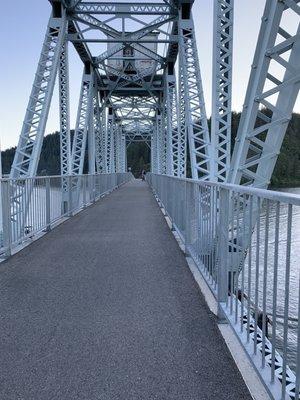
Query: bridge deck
[105, 307]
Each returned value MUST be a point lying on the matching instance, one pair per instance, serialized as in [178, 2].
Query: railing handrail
[269, 194]
[58, 176]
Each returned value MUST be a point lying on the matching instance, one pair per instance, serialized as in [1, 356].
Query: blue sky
[22, 31]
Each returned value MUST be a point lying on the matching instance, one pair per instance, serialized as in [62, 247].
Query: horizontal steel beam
[123, 8]
[74, 38]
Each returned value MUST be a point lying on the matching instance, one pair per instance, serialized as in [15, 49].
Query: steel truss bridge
[145, 85]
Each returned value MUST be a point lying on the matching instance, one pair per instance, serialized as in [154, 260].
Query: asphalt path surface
[105, 307]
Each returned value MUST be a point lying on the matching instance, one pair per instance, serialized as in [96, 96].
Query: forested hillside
[287, 171]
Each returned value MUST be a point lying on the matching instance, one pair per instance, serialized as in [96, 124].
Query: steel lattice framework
[222, 87]
[29, 147]
[271, 95]
[131, 54]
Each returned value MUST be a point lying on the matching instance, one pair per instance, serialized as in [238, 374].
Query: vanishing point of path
[105, 307]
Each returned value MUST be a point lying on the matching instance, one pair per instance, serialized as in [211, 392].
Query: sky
[22, 32]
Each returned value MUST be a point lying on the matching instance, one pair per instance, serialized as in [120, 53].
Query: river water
[283, 292]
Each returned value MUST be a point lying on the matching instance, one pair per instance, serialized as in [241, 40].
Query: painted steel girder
[104, 138]
[161, 143]
[123, 158]
[116, 8]
[110, 144]
[117, 147]
[162, 19]
[120, 146]
[109, 31]
[92, 127]
[195, 113]
[222, 88]
[182, 127]
[30, 142]
[114, 146]
[270, 99]
[65, 140]
[82, 123]
[173, 128]
[154, 151]
[156, 146]
[98, 132]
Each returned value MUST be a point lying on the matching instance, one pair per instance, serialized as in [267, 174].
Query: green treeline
[286, 173]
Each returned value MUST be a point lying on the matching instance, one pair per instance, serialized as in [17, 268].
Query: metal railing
[33, 205]
[246, 244]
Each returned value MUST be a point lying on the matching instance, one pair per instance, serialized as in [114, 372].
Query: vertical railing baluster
[264, 297]
[222, 250]
[238, 247]
[257, 274]
[243, 266]
[232, 251]
[286, 298]
[275, 279]
[297, 383]
[48, 205]
[249, 266]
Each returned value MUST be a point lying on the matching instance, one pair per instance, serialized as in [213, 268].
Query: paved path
[104, 307]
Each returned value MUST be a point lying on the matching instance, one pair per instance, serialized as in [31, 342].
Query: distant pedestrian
[143, 174]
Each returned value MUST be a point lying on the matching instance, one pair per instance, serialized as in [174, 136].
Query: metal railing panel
[246, 244]
[30, 206]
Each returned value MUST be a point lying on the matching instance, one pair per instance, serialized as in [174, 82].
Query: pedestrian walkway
[105, 307]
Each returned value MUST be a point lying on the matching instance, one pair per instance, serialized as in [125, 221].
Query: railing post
[222, 252]
[83, 191]
[94, 188]
[6, 217]
[48, 205]
[70, 196]
[191, 215]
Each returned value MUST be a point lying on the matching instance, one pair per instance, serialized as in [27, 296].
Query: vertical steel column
[173, 126]
[98, 132]
[104, 138]
[83, 121]
[109, 140]
[154, 148]
[163, 134]
[117, 133]
[92, 128]
[195, 114]
[125, 154]
[182, 133]
[65, 141]
[222, 88]
[168, 131]
[123, 157]
[113, 154]
[160, 143]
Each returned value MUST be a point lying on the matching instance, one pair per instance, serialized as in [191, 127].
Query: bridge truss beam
[272, 91]
[30, 142]
[222, 87]
[195, 113]
[83, 122]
